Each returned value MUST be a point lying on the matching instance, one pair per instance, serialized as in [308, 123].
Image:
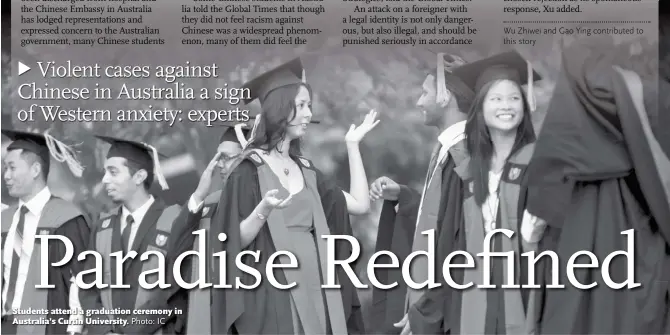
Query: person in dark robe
[275, 199]
[141, 223]
[444, 101]
[594, 178]
[201, 208]
[38, 212]
[492, 164]
[200, 213]
[488, 162]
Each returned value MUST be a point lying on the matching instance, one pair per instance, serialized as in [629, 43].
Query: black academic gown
[77, 230]
[240, 195]
[190, 221]
[438, 311]
[174, 298]
[395, 233]
[591, 178]
[427, 316]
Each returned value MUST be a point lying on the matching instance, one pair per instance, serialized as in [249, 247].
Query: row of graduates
[267, 180]
[489, 170]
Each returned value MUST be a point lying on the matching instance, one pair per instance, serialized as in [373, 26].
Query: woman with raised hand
[276, 200]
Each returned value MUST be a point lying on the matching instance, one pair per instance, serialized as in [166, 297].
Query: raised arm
[358, 197]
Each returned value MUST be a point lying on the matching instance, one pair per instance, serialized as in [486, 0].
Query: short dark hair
[32, 158]
[134, 167]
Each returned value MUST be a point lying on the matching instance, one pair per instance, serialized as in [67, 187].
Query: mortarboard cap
[448, 83]
[508, 65]
[289, 73]
[142, 154]
[45, 146]
[35, 143]
[239, 131]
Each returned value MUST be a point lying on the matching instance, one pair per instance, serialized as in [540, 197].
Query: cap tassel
[158, 172]
[252, 133]
[304, 77]
[532, 104]
[442, 95]
[63, 153]
[240, 135]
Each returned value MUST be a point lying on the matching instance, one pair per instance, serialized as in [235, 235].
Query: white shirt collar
[37, 203]
[139, 213]
[452, 135]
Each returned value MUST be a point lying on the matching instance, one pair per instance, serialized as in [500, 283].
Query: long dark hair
[480, 145]
[278, 111]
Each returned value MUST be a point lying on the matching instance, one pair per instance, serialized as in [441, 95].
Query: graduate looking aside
[140, 223]
[38, 212]
[406, 213]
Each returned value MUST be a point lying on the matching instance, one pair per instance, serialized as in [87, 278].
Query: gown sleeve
[77, 231]
[90, 299]
[239, 197]
[337, 216]
[431, 313]
[395, 231]
[174, 297]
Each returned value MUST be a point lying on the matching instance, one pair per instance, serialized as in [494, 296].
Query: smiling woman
[491, 165]
[276, 200]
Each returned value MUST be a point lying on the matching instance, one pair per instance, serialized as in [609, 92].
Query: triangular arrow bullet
[23, 68]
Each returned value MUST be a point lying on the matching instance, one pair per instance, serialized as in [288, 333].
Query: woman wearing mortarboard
[277, 200]
[201, 207]
[141, 223]
[491, 163]
[597, 172]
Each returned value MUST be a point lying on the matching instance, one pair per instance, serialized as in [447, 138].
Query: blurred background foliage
[347, 84]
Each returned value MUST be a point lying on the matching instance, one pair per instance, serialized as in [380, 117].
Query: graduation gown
[592, 177]
[199, 316]
[395, 234]
[148, 237]
[77, 231]
[240, 195]
[439, 309]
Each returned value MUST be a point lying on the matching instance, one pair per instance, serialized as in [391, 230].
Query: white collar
[37, 203]
[452, 135]
[140, 212]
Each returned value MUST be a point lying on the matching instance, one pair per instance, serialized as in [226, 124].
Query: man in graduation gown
[201, 207]
[593, 176]
[241, 193]
[38, 212]
[141, 223]
[406, 213]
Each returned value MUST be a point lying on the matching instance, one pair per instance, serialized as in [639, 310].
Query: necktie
[125, 237]
[16, 258]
